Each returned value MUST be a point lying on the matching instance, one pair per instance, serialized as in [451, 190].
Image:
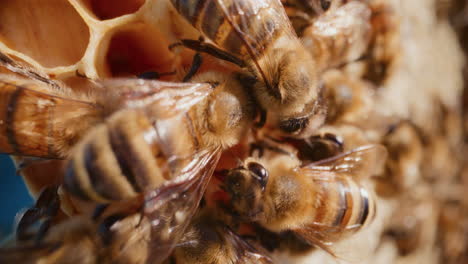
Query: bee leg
[29, 217]
[42, 232]
[153, 75]
[46, 209]
[50, 202]
[174, 45]
[28, 161]
[196, 63]
[201, 46]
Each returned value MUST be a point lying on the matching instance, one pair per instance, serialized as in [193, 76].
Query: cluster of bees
[273, 152]
[454, 213]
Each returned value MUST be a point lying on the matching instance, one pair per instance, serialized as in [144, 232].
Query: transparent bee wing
[131, 236]
[161, 99]
[27, 71]
[325, 237]
[245, 252]
[360, 163]
[38, 121]
[209, 238]
[323, 232]
[171, 207]
[257, 23]
[255, 33]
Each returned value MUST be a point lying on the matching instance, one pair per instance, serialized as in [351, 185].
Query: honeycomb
[417, 79]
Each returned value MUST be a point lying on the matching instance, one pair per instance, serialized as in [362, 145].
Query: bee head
[245, 186]
[292, 94]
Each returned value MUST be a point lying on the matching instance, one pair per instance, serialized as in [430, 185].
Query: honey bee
[413, 225]
[258, 37]
[339, 36]
[121, 233]
[384, 49]
[317, 147]
[403, 167]
[62, 251]
[303, 12]
[152, 141]
[83, 240]
[142, 132]
[270, 191]
[208, 240]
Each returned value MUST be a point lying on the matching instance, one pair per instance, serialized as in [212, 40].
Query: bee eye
[325, 4]
[294, 125]
[259, 171]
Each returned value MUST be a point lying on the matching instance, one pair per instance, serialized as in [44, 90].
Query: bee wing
[163, 99]
[233, 248]
[360, 163]
[171, 207]
[245, 252]
[256, 23]
[324, 233]
[325, 237]
[27, 71]
[38, 121]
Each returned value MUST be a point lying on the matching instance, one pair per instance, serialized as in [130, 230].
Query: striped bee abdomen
[36, 123]
[116, 160]
[343, 207]
[232, 24]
